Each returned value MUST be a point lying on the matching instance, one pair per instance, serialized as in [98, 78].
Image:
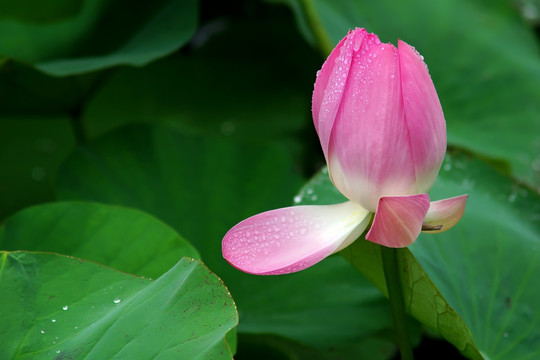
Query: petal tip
[444, 214]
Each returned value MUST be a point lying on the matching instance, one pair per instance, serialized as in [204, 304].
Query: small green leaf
[100, 36]
[125, 239]
[59, 307]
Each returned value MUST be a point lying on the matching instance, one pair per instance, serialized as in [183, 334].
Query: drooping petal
[330, 85]
[291, 239]
[424, 117]
[398, 220]
[370, 154]
[444, 214]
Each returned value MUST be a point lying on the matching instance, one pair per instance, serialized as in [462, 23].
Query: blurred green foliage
[197, 115]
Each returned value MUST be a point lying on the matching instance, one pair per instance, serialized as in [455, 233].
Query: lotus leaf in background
[483, 58]
[256, 91]
[32, 149]
[96, 34]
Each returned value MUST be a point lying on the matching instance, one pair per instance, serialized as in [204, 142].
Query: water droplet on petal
[357, 42]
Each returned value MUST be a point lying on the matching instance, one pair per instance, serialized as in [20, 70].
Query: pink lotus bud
[379, 120]
[383, 135]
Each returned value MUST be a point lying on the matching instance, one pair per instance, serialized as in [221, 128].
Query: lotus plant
[383, 134]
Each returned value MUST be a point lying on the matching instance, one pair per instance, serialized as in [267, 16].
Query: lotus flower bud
[379, 119]
[383, 135]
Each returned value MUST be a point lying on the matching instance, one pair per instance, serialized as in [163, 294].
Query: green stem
[397, 303]
[317, 27]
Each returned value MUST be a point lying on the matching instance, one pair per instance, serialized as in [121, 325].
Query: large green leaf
[423, 300]
[487, 269]
[476, 283]
[486, 69]
[58, 307]
[100, 35]
[177, 91]
[203, 186]
[31, 150]
[122, 238]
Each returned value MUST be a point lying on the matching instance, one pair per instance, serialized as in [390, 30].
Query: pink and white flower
[383, 134]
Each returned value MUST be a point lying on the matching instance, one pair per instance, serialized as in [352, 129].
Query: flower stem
[315, 23]
[397, 303]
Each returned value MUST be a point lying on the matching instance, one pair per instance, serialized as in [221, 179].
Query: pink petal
[370, 153]
[330, 84]
[424, 117]
[291, 239]
[398, 220]
[444, 214]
